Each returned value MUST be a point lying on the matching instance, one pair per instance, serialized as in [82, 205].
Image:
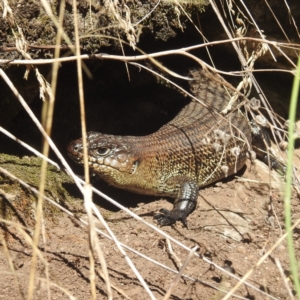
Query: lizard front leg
[184, 204]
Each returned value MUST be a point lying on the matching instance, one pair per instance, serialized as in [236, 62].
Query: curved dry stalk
[284, 278]
[105, 56]
[277, 45]
[29, 239]
[261, 260]
[161, 232]
[65, 291]
[37, 153]
[35, 191]
[147, 15]
[11, 265]
[124, 254]
[178, 276]
[116, 203]
[40, 128]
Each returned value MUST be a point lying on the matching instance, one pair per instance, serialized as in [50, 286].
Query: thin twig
[178, 276]
[283, 277]
[261, 260]
[40, 127]
[11, 265]
[37, 153]
[35, 191]
[151, 55]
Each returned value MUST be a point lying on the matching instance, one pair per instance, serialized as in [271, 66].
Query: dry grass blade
[65, 291]
[182, 51]
[121, 244]
[292, 18]
[173, 254]
[47, 96]
[122, 251]
[37, 153]
[95, 245]
[261, 260]
[40, 127]
[284, 278]
[178, 276]
[11, 265]
[161, 232]
[86, 188]
[277, 21]
[32, 244]
[122, 19]
[92, 241]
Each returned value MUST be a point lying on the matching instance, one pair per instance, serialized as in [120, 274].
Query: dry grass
[48, 90]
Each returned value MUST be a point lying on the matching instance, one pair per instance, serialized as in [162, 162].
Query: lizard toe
[166, 217]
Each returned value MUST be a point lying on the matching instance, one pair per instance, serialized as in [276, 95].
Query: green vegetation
[17, 200]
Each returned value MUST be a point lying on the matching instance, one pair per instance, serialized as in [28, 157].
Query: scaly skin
[196, 148]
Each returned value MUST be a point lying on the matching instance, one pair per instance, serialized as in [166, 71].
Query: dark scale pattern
[198, 147]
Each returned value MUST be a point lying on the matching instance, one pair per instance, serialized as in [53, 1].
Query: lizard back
[199, 142]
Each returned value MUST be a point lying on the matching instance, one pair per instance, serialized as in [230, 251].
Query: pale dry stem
[130, 249]
[126, 25]
[178, 276]
[173, 254]
[284, 279]
[11, 265]
[261, 260]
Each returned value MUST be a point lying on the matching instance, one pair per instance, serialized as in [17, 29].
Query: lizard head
[109, 156]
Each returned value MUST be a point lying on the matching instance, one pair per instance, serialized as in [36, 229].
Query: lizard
[198, 147]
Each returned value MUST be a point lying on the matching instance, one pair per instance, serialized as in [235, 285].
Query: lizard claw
[166, 217]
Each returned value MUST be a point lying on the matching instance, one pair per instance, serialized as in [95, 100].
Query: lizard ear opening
[134, 167]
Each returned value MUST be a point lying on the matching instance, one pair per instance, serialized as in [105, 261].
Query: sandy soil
[233, 226]
[237, 220]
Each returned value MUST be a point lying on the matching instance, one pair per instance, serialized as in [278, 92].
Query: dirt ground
[233, 226]
[236, 222]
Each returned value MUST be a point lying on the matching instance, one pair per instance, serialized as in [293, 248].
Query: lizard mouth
[119, 168]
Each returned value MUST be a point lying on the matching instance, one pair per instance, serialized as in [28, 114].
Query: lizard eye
[102, 151]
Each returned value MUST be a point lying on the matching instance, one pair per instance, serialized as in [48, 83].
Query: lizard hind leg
[184, 204]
